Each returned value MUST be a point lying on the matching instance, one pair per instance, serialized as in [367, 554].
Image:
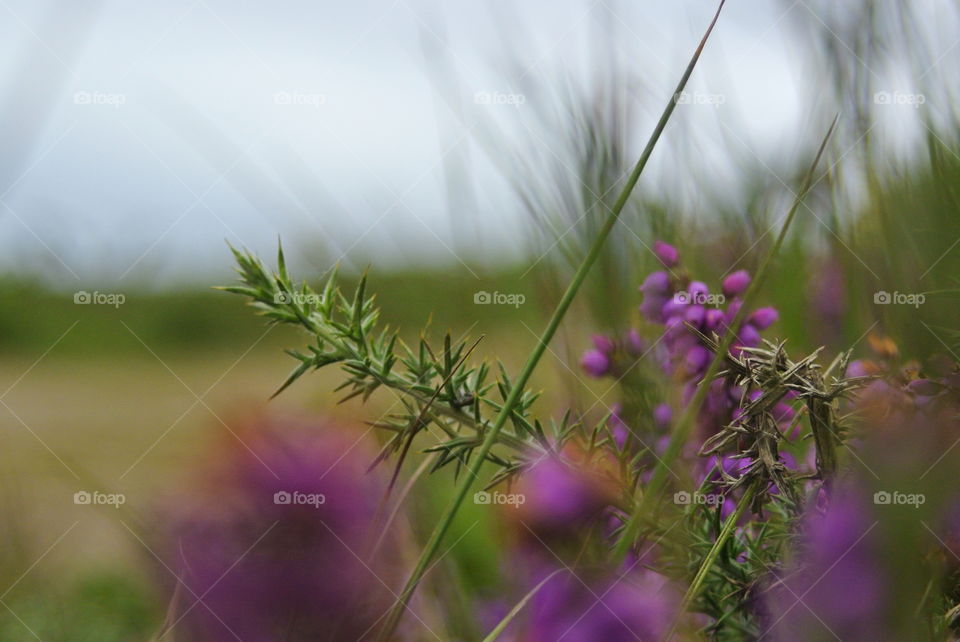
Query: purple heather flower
[656, 283]
[699, 291]
[638, 605]
[748, 336]
[838, 588]
[662, 416]
[763, 318]
[667, 254]
[633, 343]
[695, 315]
[857, 369]
[736, 284]
[732, 310]
[714, 319]
[595, 363]
[268, 540]
[675, 307]
[558, 497]
[618, 426]
[603, 343]
[696, 359]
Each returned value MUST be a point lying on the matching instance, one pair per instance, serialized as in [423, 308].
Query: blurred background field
[135, 398]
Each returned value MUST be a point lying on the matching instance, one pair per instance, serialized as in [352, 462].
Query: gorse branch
[435, 387]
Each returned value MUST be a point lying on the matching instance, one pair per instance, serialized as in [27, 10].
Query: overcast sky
[138, 136]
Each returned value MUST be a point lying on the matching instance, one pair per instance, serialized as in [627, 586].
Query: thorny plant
[756, 433]
[439, 389]
[435, 386]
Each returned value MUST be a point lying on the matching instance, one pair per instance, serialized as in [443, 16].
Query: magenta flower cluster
[687, 309]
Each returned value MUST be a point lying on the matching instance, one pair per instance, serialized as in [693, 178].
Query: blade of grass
[508, 618]
[516, 391]
[681, 433]
[694, 589]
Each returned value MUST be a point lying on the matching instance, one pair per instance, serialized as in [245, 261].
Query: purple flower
[697, 359]
[639, 604]
[663, 415]
[736, 284]
[595, 363]
[656, 283]
[837, 588]
[763, 318]
[603, 343]
[857, 369]
[633, 343]
[695, 315]
[618, 426]
[698, 290]
[269, 539]
[748, 336]
[714, 319]
[667, 254]
[558, 497]
[656, 291]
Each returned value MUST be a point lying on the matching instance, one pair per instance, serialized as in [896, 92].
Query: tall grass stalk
[466, 483]
[685, 424]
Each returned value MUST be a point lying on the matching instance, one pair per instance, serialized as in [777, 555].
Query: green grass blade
[516, 390]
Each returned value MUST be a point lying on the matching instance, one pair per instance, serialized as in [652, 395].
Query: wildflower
[595, 363]
[638, 604]
[763, 318]
[275, 538]
[633, 343]
[837, 588]
[559, 497]
[736, 284]
[603, 343]
[667, 254]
